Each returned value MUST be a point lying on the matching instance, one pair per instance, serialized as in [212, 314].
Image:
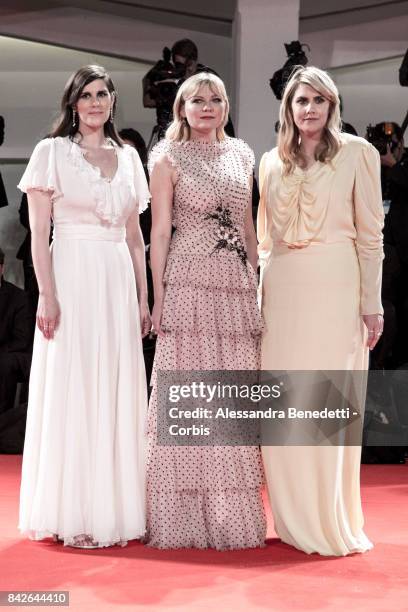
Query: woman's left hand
[374, 324]
[145, 321]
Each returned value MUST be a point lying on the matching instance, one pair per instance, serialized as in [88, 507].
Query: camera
[164, 79]
[383, 135]
[296, 57]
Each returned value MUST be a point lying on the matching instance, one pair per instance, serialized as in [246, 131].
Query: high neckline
[206, 143]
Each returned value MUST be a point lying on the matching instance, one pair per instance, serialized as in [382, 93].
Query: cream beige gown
[313, 297]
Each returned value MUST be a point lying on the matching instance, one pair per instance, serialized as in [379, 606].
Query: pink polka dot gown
[206, 496]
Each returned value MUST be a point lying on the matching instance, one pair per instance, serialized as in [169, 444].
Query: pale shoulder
[163, 162]
[272, 154]
[356, 144]
[45, 145]
[243, 151]
[270, 160]
[163, 158]
[161, 155]
[129, 151]
[49, 148]
[239, 145]
[57, 143]
[163, 146]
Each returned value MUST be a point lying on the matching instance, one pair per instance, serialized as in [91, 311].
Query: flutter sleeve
[369, 221]
[41, 172]
[141, 187]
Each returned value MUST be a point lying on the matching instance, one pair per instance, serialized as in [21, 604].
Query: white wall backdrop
[353, 47]
[114, 34]
[372, 93]
[356, 56]
[32, 78]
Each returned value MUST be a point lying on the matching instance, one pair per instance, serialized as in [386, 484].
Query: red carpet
[274, 578]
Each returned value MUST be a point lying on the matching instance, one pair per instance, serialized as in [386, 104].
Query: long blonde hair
[179, 129]
[289, 137]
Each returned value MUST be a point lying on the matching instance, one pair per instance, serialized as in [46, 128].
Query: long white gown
[84, 454]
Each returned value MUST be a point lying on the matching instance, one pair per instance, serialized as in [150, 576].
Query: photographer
[394, 170]
[184, 63]
[392, 351]
[3, 195]
[161, 83]
[16, 335]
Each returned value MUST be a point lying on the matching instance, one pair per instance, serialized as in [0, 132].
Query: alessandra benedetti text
[268, 413]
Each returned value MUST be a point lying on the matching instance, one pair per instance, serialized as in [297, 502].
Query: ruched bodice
[299, 213]
[331, 203]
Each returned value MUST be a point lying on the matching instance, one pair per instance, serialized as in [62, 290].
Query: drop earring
[73, 117]
[111, 114]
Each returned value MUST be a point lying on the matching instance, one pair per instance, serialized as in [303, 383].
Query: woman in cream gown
[319, 229]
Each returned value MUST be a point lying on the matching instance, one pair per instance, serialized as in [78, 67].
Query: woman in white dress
[319, 229]
[83, 477]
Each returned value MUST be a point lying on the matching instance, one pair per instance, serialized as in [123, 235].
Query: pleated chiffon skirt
[310, 303]
[85, 452]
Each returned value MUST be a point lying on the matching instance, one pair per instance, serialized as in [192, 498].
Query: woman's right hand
[156, 318]
[48, 315]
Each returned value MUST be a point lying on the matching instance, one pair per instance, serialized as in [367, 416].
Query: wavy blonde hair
[179, 129]
[289, 136]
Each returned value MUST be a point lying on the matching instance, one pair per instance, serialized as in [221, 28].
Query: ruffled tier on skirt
[211, 296]
[206, 496]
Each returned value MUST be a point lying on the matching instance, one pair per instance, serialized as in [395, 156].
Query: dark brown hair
[73, 89]
[186, 48]
[138, 142]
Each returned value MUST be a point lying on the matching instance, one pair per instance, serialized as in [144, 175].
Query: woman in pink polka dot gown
[206, 317]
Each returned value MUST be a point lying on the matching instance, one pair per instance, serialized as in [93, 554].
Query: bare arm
[135, 244]
[48, 312]
[250, 236]
[161, 187]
